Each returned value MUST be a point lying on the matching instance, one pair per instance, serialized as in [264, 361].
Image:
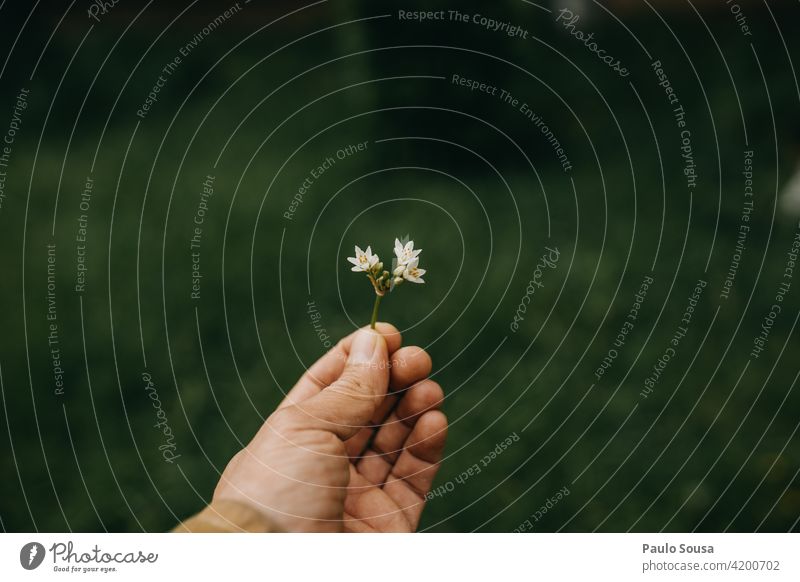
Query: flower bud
[398, 272]
[398, 280]
[378, 267]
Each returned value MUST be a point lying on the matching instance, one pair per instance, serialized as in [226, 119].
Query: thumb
[348, 404]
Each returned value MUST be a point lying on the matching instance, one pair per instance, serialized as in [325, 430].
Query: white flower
[405, 254]
[364, 260]
[413, 273]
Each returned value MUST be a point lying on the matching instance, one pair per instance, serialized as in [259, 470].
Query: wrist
[227, 516]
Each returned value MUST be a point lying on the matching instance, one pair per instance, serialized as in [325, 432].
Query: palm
[394, 460]
[389, 480]
[369, 508]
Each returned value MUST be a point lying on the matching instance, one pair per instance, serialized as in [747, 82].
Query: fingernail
[363, 347]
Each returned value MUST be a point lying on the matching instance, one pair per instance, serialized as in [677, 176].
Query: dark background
[277, 88]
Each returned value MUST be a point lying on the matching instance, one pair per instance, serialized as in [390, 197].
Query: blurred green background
[273, 91]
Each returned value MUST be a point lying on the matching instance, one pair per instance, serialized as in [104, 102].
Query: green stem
[375, 310]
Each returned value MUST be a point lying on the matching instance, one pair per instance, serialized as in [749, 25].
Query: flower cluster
[405, 267]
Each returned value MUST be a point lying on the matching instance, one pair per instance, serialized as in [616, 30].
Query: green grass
[89, 460]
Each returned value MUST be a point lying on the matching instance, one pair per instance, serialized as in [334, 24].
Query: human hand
[354, 446]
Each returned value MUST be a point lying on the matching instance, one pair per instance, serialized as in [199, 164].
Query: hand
[354, 446]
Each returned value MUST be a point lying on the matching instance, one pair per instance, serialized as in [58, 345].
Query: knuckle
[352, 384]
[284, 420]
[420, 355]
[330, 443]
[351, 395]
[436, 393]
